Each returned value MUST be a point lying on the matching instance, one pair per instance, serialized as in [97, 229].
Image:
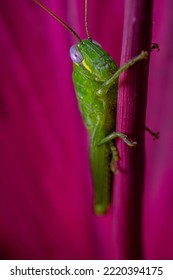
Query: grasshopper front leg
[106, 85]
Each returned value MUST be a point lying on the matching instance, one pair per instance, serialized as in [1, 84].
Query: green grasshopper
[95, 78]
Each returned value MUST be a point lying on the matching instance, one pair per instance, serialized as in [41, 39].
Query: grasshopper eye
[75, 54]
[96, 43]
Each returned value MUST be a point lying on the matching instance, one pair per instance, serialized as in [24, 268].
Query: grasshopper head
[90, 56]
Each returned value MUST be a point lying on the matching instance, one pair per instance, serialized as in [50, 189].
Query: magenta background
[45, 183]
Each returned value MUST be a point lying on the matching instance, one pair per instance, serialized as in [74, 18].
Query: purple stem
[131, 112]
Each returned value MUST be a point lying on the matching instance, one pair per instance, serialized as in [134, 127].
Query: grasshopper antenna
[86, 20]
[58, 19]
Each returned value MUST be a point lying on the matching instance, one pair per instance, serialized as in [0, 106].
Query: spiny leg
[114, 135]
[106, 85]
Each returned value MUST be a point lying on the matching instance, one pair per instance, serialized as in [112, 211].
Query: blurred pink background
[45, 182]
